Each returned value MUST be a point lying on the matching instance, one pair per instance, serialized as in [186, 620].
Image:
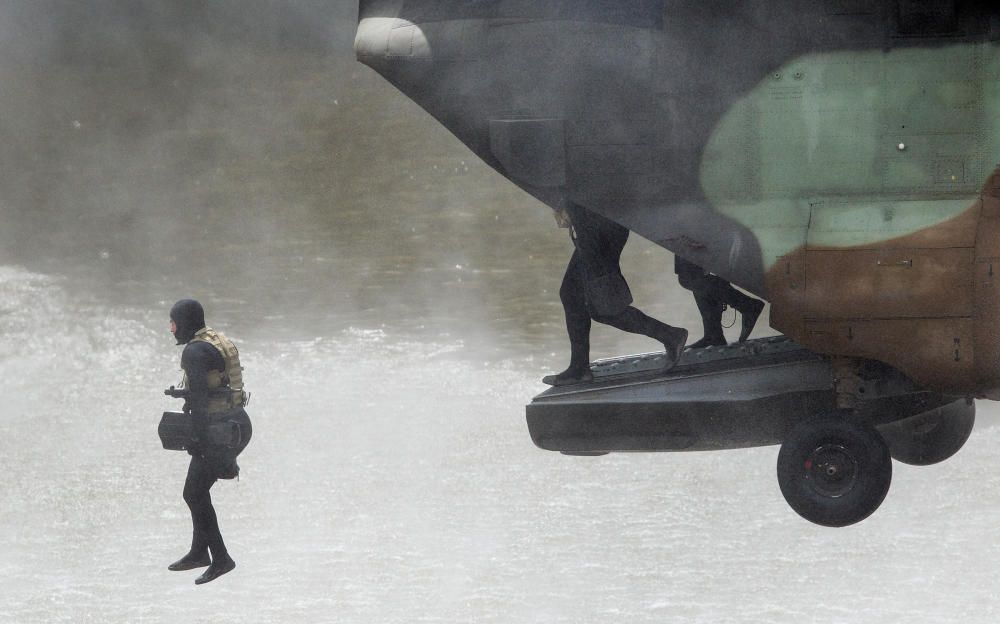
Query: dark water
[395, 302]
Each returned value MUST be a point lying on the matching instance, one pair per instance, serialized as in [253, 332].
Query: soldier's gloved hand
[562, 217]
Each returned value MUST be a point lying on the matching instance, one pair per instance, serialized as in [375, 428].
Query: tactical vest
[230, 379]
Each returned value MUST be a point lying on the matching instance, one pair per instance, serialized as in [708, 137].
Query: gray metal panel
[718, 398]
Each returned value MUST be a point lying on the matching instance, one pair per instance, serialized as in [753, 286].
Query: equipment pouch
[225, 433]
[607, 295]
[176, 431]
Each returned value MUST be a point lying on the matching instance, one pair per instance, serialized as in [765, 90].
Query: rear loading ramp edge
[734, 398]
[676, 426]
[718, 381]
[703, 425]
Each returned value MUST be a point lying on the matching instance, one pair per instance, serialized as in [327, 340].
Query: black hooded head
[189, 317]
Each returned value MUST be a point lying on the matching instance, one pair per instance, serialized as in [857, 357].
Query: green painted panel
[909, 133]
[926, 161]
[778, 225]
[841, 71]
[921, 66]
[838, 223]
[735, 178]
[990, 124]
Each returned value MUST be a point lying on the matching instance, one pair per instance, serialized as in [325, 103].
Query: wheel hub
[831, 470]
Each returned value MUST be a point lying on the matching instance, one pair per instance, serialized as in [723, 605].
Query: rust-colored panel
[987, 328]
[789, 287]
[920, 302]
[904, 283]
[937, 353]
[992, 186]
[987, 282]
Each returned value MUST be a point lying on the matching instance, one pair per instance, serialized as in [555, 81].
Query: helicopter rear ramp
[738, 396]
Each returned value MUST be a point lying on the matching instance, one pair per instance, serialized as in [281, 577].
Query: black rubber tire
[930, 437]
[833, 471]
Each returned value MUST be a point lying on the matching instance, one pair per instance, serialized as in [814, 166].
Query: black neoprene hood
[189, 317]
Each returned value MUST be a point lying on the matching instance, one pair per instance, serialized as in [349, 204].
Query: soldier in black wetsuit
[711, 295]
[214, 380]
[594, 288]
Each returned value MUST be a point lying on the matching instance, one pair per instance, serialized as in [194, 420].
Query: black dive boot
[750, 311]
[218, 568]
[711, 322]
[578, 328]
[673, 339]
[572, 375]
[191, 561]
[708, 341]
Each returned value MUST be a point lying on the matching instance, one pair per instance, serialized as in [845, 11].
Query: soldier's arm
[195, 360]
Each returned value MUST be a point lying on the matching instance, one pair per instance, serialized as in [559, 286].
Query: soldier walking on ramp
[712, 294]
[593, 288]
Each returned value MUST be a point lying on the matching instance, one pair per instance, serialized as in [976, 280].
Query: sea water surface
[391, 479]
[395, 303]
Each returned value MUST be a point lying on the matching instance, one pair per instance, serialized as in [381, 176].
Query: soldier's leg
[197, 494]
[748, 307]
[201, 477]
[712, 288]
[711, 321]
[634, 321]
[693, 277]
[574, 302]
[631, 319]
[194, 485]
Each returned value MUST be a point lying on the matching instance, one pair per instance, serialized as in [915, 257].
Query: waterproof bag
[224, 432]
[176, 431]
[607, 295]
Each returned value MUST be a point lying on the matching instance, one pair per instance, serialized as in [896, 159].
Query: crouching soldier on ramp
[215, 429]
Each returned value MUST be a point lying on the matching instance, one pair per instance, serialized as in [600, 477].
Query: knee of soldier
[193, 494]
[603, 318]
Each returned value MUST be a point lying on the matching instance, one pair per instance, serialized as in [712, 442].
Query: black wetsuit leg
[593, 288]
[599, 244]
[574, 302]
[711, 295]
[710, 287]
[206, 467]
[693, 277]
[711, 319]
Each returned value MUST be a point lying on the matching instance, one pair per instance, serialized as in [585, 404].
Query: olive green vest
[231, 378]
